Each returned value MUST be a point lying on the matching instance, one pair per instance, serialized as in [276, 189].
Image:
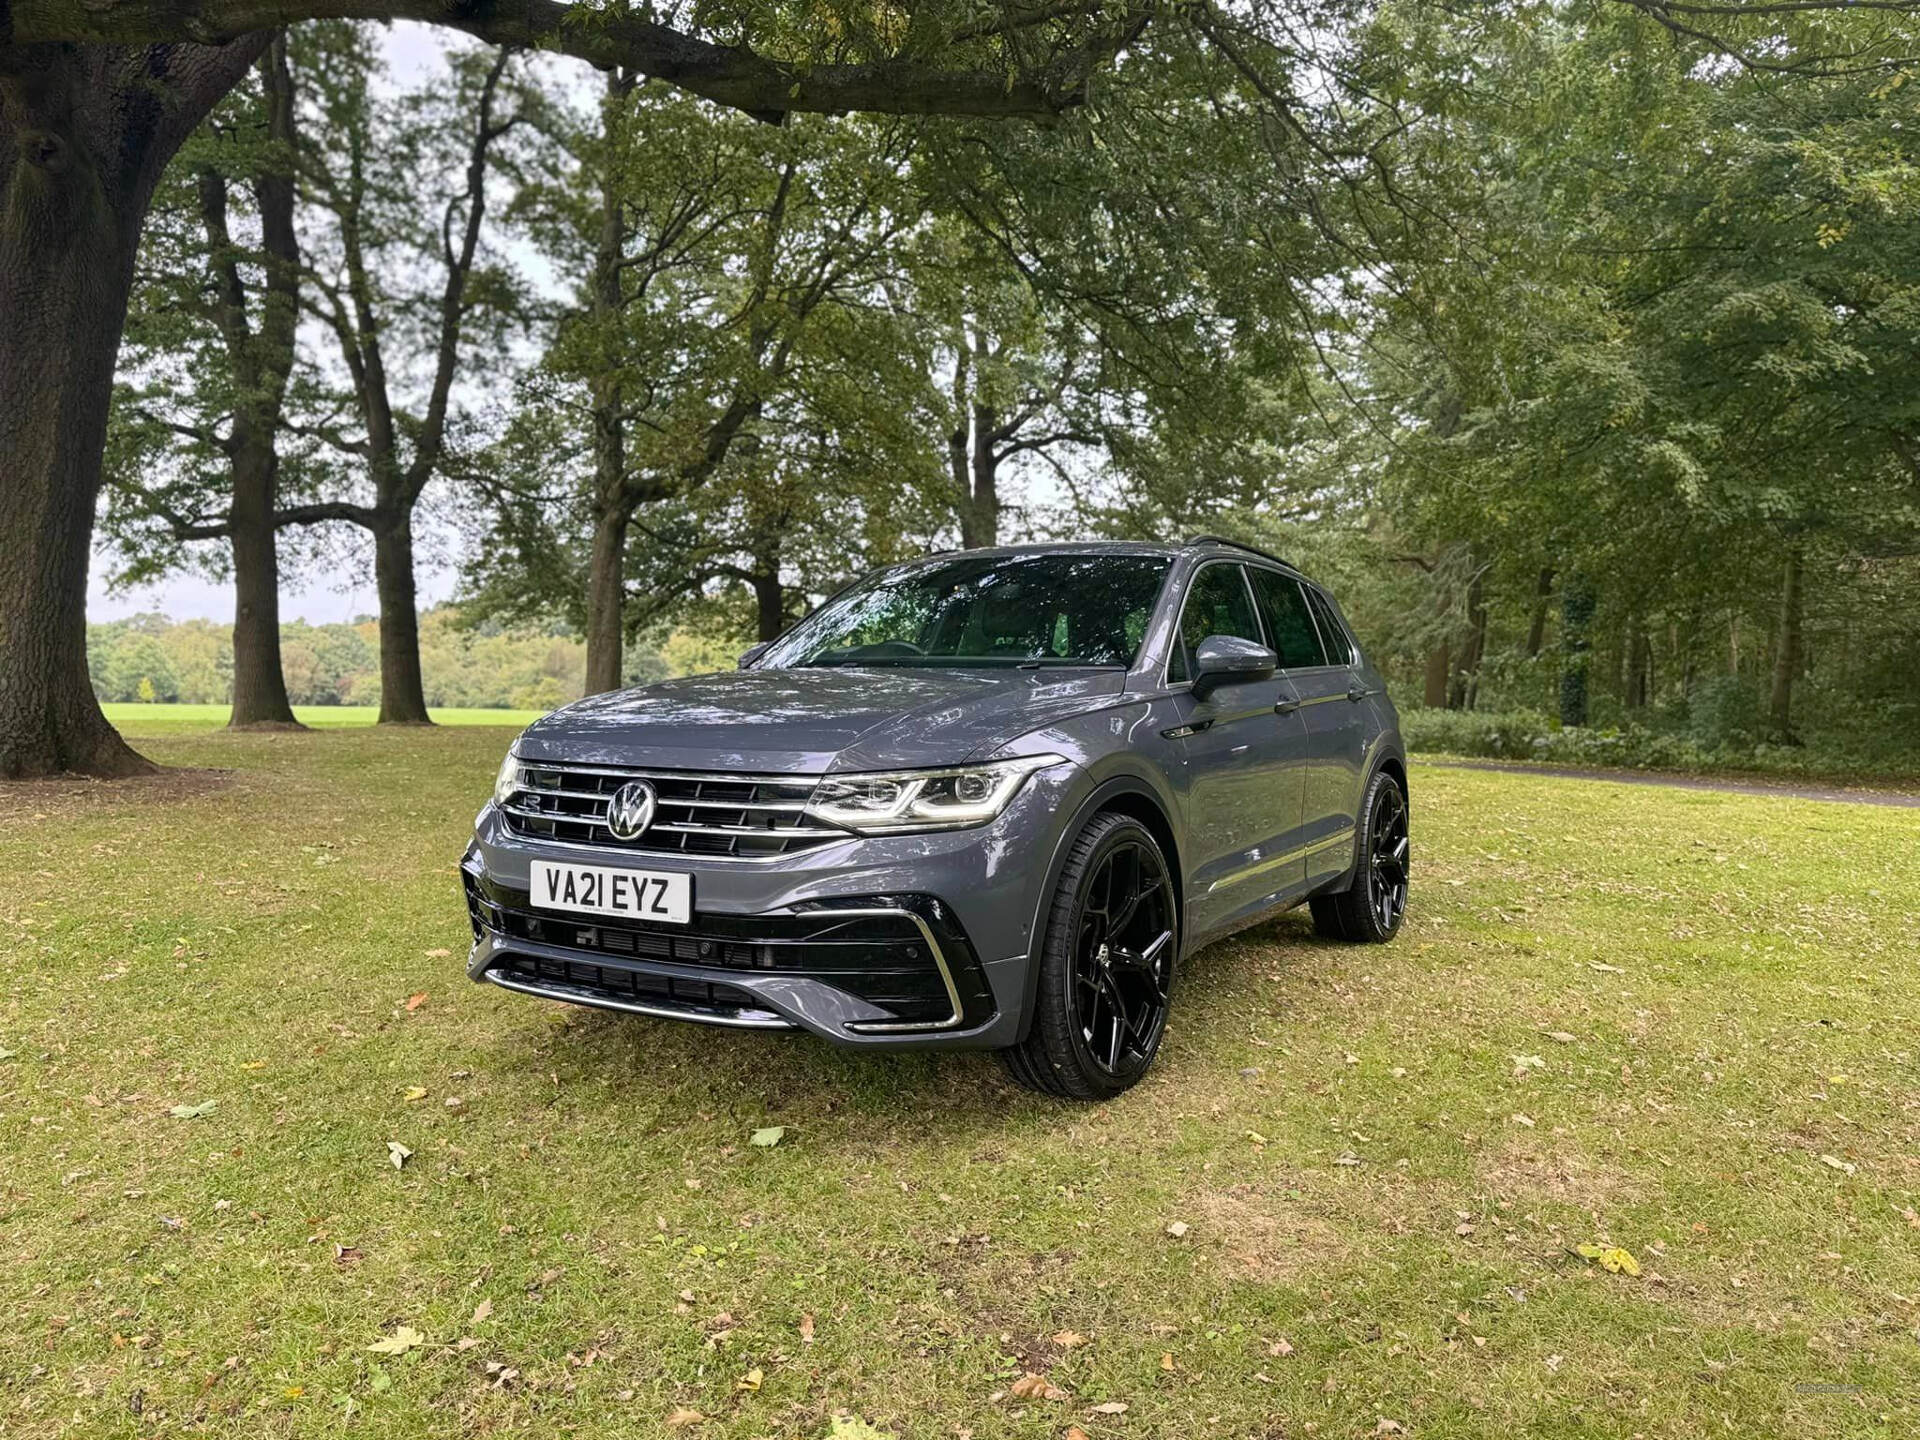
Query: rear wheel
[1106, 966]
[1372, 906]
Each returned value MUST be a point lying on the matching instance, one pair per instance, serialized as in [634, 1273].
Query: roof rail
[1241, 545]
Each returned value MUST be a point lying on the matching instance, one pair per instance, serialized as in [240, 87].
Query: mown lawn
[1678, 1023]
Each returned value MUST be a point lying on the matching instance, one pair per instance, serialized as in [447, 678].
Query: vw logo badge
[630, 811]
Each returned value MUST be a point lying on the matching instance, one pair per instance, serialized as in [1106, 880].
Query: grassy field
[193, 719]
[1677, 1023]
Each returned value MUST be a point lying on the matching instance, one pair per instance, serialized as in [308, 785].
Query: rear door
[1333, 698]
[1245, 750]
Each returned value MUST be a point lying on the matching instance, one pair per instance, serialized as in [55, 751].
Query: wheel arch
[1125, 794]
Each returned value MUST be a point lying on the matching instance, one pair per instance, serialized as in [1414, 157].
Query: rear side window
[1340, 646]
[1218, 604]
[1290, 628]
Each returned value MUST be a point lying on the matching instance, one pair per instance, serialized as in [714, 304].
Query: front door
[1246, 749]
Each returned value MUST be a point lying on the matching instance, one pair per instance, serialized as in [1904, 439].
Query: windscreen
[985, 610]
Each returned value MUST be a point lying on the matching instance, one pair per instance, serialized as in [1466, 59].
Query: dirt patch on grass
[1257, 1236]
[71, 794]
[1534, 1174]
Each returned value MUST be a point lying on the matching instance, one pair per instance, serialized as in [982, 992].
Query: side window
[1218, 604]
[1340, 644]
[1289, 626]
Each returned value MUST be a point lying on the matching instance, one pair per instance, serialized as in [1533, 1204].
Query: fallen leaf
[771, 1135]
[1166, 1361]
[1110, 1407]
[1069, 1339]
[1834, 1162]
[1035, 1387]
[194, 1112]
[1565, 1037]
[750, 1382]
[1254, 1137]
[1524, 1063]
[1389, 1427]
[1178, 1229]
[1612, 1258]
[414, 1002]
[1605, 969]
[1281, 1348]
[416, 1092]
[439, 953]
[403, 1339]
[482, 1312]
[806, 1329]
[1526, 1120]
[398, 1154]
[254, 1065]
[1074, 1432]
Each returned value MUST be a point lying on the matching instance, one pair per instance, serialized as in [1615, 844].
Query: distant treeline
[154, 658]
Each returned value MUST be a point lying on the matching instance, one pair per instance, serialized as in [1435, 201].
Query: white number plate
[601, 890]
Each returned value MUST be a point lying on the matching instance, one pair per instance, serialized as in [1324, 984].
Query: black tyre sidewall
[1055, 1021]
[1361, 914]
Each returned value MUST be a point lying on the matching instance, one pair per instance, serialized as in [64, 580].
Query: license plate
[603, 890]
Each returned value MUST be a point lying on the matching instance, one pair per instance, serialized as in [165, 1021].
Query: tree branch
[730, 75]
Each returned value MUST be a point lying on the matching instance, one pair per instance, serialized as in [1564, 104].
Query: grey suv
[986, 800]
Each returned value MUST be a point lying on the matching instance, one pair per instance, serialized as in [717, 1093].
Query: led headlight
[902, 800]
[507, 782]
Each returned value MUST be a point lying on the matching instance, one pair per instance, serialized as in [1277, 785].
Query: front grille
[745, 817]
[879, 952]
[697, 999]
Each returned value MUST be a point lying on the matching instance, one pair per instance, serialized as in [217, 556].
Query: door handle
[1356, 694]
[1285, 707]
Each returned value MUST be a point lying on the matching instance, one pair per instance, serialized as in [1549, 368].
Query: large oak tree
[95, 100]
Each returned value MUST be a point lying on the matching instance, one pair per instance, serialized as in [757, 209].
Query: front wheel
[1106, 966]
[1372, 906]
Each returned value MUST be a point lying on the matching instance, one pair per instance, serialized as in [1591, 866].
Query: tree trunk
[606, 600]
[770, 600]
[1439, 667]
[1787, 650]
[1466, 675]
[84, 133]
[1577, 604]
[980, 521]
[1639, 663]
[66, 262]
[403, 697]
[259, 686]
[1537, 621]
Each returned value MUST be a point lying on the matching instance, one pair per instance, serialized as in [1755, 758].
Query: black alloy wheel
[1374, 902]
[1106, 972]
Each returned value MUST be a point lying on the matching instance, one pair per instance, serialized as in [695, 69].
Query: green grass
[147, 720]
[1341, 1130]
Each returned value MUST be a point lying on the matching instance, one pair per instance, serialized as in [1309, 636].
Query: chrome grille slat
[698, 814]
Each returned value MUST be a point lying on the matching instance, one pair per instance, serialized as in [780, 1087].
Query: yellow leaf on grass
[750, 1381]
[1612, 1258]
[680, 1417]
[416, 1092]
[403, 1339]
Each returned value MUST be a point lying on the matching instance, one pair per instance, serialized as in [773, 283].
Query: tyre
[1106, 966]
[1374, 903]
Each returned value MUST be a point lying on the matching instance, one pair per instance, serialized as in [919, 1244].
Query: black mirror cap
[1229, 660]
[747, 657]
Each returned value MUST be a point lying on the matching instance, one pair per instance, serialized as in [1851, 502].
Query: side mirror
[747, 657]
[1229, 660]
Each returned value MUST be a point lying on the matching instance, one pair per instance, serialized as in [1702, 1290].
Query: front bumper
[885, 942]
